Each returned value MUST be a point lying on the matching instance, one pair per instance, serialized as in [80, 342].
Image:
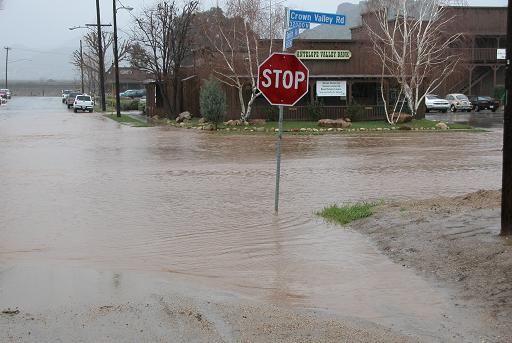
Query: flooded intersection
[96, 211]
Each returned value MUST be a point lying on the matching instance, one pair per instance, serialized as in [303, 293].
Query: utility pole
[82, 66]
[101, 61]
[116, 62]
[6, 63]
[506, 192]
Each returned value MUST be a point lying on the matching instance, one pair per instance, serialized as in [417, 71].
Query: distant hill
[353, 17]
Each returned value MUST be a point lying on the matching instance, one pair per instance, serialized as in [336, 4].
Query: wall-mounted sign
[501, 54]
[323, 54]
[331, 88]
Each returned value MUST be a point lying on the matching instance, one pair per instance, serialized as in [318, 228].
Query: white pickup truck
[84, 103]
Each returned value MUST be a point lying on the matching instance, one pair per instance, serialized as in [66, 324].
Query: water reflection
[483, 119]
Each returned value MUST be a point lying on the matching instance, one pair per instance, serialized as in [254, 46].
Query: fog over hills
[34, 64]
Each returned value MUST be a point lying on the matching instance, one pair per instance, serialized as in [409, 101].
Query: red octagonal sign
[283, 79]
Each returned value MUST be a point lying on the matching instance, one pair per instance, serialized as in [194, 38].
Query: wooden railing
[484, 55]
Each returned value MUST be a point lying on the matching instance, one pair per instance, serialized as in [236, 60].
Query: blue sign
[288, 43]
[300, 25]
[316, 18]
[289, 36]
[292, 33]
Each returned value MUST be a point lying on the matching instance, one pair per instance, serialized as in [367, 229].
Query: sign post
[283, 80]
[506, 189]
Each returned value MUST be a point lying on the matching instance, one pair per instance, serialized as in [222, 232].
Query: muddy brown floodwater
[91, 209]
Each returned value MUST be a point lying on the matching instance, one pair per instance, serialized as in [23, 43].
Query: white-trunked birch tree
[415, 49]
[235, 38]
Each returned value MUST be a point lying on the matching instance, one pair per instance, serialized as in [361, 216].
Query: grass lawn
[346, 214]
[124, 119]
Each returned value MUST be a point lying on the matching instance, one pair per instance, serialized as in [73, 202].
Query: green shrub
[354, 111]
[129, 105]
[499, 93]
[314, 110]
[212, 101]
[272, 113]
[142, 106]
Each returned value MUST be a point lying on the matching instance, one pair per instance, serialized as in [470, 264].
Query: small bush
[354, 111]
[347, 213]
[142, 107]
[272, 114]
[499, 93]
[212, 101]
[129, 105]
[314, 110]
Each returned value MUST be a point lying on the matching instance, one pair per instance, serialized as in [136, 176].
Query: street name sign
[283, 79]
[299, 24]
[291, 33]
[323, 54]
[316, 17]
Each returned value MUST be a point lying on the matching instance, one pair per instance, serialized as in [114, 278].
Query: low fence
[303, 113]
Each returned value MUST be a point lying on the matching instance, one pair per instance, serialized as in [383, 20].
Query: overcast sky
[39, 28]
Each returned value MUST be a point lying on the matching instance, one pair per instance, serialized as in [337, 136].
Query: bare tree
[91, 56]
[236, 39]
[411, 40]
[163, 43]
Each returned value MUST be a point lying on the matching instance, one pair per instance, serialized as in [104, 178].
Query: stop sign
[283, 79]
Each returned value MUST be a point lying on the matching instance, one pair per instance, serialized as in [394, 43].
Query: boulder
[442, 126]
[201, 120]
[183, 116]
[401, 118]
[233, 123]
[257, 122]
[260, 129]
[338, 123]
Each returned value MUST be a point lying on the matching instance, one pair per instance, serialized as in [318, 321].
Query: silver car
[459, 102]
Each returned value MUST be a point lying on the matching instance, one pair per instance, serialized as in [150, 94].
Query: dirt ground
[177, 319]
[456, 242]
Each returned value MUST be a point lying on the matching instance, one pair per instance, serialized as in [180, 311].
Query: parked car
[65, 94]
[70, 99]
[459, 102]
[83, 103]
[3, 98]
[133, 93]
[484, 103]
[435, 103]
[7, 92]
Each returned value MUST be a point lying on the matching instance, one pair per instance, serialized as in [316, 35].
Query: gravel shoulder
[454, 241]
[172, 318]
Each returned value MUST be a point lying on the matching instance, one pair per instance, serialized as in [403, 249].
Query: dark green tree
[213, 102]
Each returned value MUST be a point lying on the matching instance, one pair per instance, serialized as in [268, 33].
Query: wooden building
[353, 65]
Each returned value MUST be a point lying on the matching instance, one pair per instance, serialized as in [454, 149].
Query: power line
[39, 51]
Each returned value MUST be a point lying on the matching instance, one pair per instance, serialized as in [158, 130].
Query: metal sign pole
[280, 134]
[278, 158]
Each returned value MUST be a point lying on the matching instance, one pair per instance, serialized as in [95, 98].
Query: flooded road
[82, 192]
